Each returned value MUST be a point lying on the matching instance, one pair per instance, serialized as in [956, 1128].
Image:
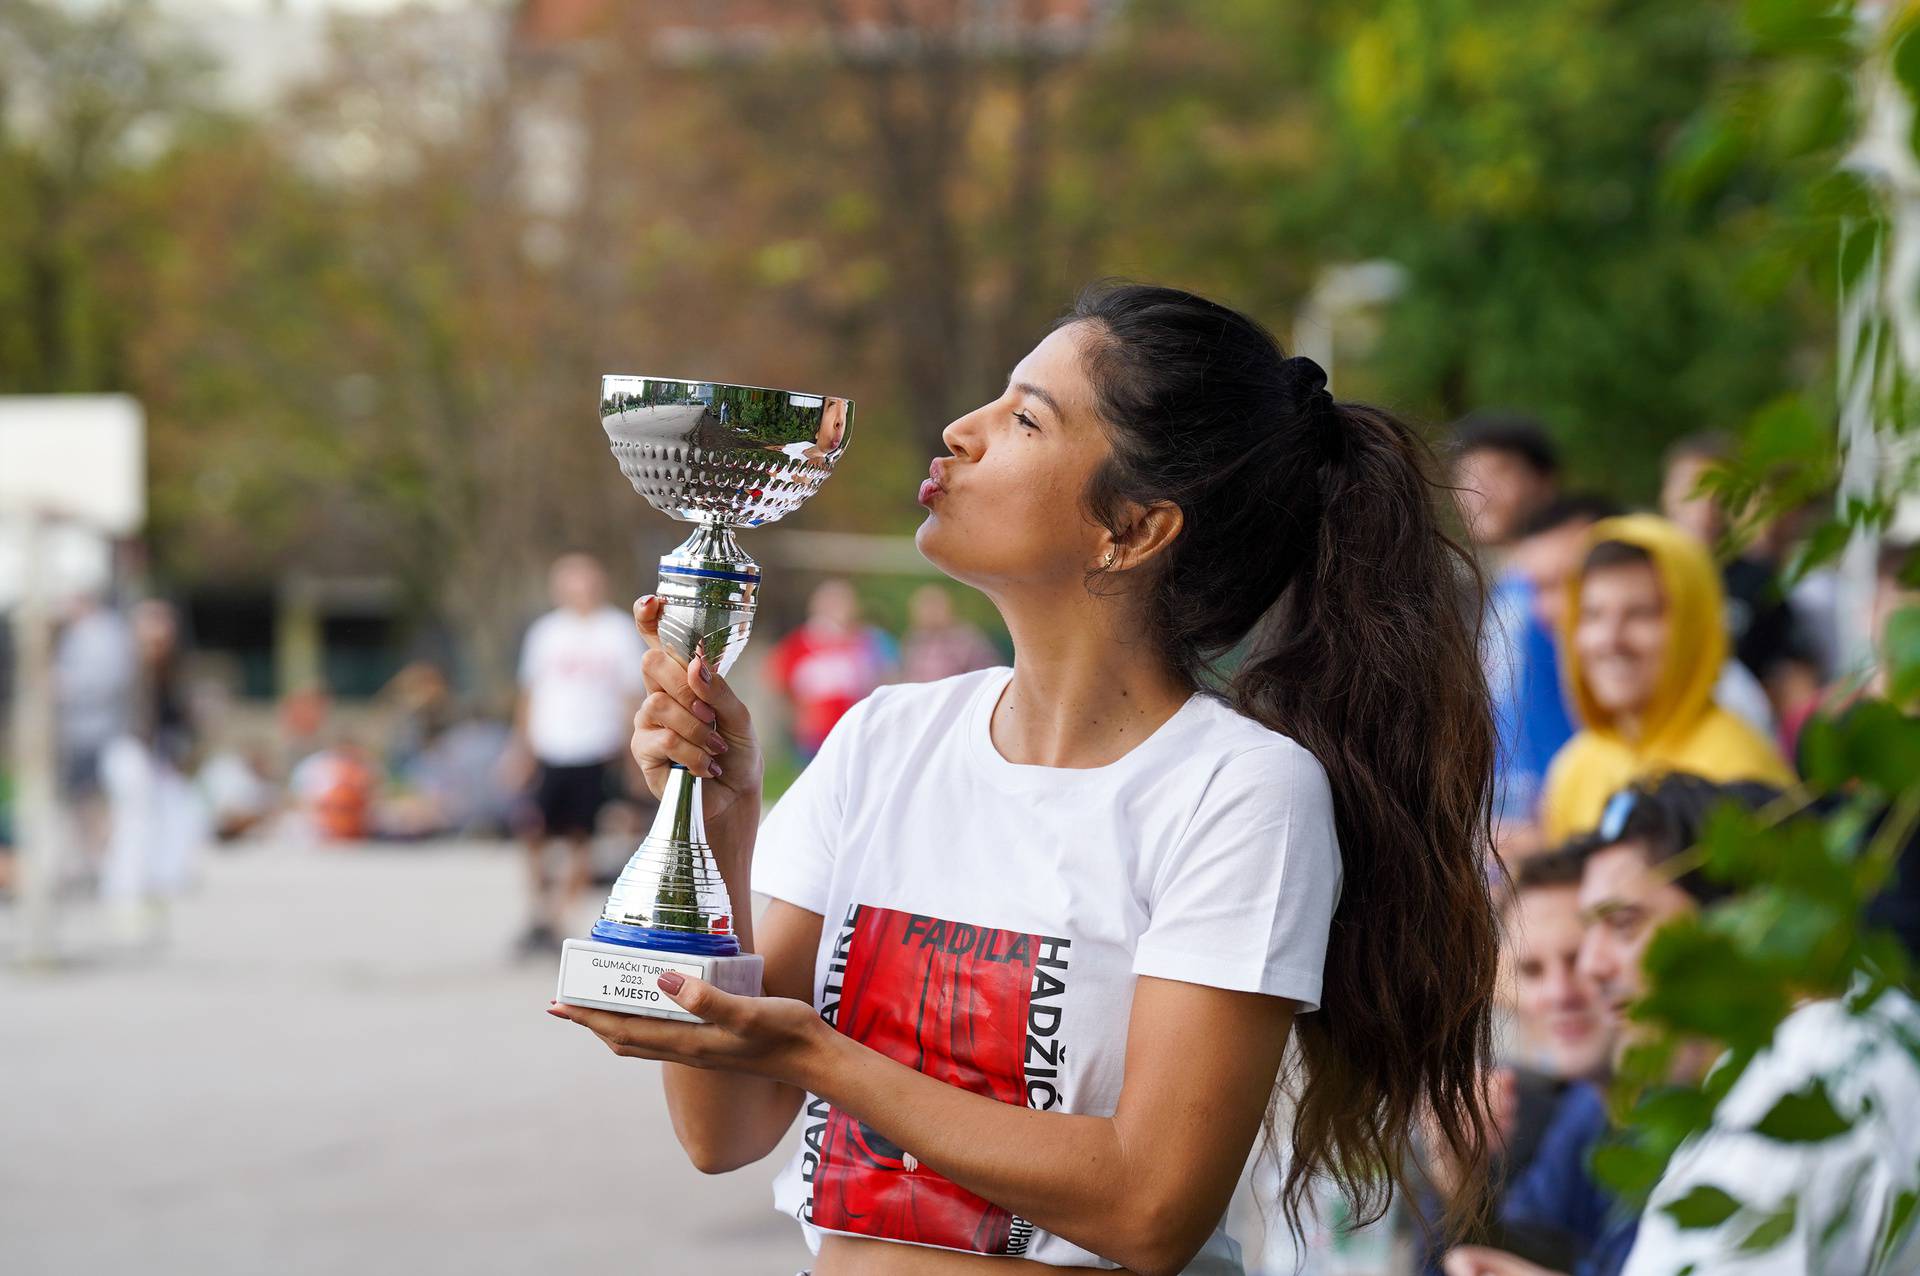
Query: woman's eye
[1026, 420]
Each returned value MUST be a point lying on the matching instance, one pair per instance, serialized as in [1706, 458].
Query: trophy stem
[671, 896]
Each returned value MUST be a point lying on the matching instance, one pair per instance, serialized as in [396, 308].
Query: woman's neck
[1086, 687]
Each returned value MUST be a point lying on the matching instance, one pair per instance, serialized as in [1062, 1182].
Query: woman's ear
[1153, 529]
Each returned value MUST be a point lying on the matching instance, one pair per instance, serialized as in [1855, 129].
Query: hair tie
[1306, 381]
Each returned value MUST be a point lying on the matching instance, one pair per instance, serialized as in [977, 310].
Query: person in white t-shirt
[580, 682]
[1044, 945]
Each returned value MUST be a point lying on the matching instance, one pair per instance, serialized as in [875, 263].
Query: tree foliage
[362, 343]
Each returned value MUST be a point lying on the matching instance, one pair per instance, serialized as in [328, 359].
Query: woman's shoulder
[1243, 751]
[1229, 732]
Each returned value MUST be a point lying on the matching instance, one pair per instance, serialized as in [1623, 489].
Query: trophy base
[621, 977]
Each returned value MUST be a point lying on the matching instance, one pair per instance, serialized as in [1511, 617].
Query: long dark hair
[1312, 548]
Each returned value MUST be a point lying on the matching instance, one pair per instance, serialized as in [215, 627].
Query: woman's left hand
[775, 1037]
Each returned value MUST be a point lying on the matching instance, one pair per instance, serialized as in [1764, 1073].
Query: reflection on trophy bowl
[733, 455]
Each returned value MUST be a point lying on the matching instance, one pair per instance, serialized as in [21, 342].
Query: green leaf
[1772, 1229]
[1787, 431]
[1900, 648]
[1629, 1169]
[1906, 68]
[1823, 753]
[1704, 983]
[1704, 1206]
[1707, 152]
[1824, 544]
[1906, 62]
[1858, 244]
[1795, 26]
[1899, 1223]
[1681, 1109]
[1805, 1116]
[1882, 745]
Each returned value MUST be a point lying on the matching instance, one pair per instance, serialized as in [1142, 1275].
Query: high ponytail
[1369, 660]
[1312, 550]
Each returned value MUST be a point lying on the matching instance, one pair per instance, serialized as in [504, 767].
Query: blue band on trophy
[750, 578]
[672, 941]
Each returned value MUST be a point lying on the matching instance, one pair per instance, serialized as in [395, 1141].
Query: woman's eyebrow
[1027, 387]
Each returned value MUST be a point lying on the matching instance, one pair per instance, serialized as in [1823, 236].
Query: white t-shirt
[984, 922]
[580, 673]
[1838, 1200]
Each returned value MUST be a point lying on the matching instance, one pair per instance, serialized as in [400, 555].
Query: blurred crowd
[1645, 674]
[155, 764]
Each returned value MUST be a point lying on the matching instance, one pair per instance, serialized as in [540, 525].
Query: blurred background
[303, 306]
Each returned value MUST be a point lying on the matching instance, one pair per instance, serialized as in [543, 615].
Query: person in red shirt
[829, 664]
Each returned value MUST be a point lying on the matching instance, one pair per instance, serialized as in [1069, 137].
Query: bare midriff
[857, 1256]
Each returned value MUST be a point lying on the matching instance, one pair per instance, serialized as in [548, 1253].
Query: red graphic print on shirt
[973, 1006]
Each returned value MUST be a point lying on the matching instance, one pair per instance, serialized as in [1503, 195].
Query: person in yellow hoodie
[1644, 640]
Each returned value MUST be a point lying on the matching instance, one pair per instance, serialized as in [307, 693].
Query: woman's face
[1004, 510]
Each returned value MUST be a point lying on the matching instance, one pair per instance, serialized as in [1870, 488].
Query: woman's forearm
[1071, 1175]
[726, 1120]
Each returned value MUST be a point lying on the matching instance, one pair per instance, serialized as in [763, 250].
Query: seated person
[1561, 1037]
[1645, 647]
[1838, 1204]
[1645, 825]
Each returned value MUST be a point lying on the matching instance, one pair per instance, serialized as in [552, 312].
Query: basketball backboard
[75, 458]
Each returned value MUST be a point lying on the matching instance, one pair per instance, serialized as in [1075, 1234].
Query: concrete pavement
[333, 1067]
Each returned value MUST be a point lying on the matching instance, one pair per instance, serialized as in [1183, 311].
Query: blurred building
[556, 46]
[872, 28]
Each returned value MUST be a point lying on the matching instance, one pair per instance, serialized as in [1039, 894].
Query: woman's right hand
[692, 717]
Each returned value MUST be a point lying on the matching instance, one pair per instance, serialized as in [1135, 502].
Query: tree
[1510, 157]
[86, 99]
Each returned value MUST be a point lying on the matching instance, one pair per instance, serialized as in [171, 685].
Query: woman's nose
[962, 436]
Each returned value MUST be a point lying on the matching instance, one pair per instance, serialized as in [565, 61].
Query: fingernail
[706, 670]
[704, 711]
[558, 1012]
[670, 982]
[715, 744]
[713, 769]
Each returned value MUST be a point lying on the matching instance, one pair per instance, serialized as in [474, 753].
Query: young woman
[1039, 938]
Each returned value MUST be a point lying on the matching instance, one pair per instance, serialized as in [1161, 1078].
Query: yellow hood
[1697, 633]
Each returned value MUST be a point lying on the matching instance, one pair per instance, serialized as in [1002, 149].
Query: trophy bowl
[720, 457]
[733, 455]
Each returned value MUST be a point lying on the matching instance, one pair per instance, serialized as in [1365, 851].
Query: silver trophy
[719, 457]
